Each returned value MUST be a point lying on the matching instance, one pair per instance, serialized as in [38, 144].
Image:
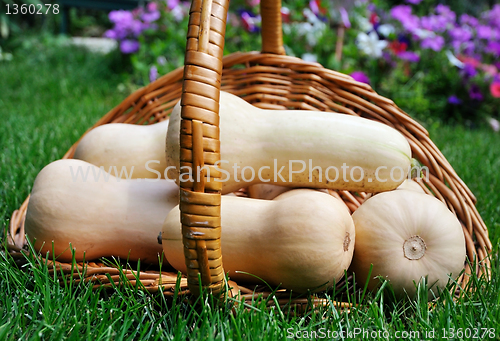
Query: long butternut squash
[295, 148]
[302, 240]
[74, 202]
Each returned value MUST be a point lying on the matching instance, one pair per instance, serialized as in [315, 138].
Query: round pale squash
[407, 235]
[411, 185]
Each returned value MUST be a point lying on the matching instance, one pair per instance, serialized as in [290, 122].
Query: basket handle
[272, 32]
[200, 192]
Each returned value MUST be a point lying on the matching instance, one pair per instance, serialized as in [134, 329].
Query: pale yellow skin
[269, 192]
[255, 137]
[296, 240]
[386, 220]
[266, 191]
[411, 185]
[126, 145]
[120, 218]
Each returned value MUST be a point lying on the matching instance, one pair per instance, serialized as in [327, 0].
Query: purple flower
[359, 76]
[493, 16]
[460, 34]
[475, 93]
[136, 27]
[111, 34]
[435, 23]
[435, 43]
[469, 70]
[446, 12]
[403, 14]
[314, 6]
[469, 47]
[466, 19]
[151, 16]
[413, 2]
[171, 4]
[152, 6]
[456, 45]
[120, 16]
[129, 46]
[153, 73]
[484, 32]
[409, 56]
[345, 17]
[250, 22]
[493, 47]
[117, 33]
[454, 100]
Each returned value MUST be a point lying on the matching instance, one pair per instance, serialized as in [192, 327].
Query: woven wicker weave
[270, 80]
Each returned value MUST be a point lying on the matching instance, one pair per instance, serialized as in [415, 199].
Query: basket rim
[119, 111]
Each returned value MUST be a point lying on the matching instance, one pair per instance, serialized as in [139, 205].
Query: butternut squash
[407, 235]
[266, 191]
[126, 150]
[303, 239]
[411, 185]
[74, 202]
[297, 148]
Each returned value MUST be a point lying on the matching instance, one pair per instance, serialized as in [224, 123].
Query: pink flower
[469, 60]
[495, 89]
[489, 69]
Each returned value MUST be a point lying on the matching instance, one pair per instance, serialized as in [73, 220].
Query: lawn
[50, 95]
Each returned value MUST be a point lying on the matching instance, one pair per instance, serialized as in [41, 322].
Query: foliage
[433, 63]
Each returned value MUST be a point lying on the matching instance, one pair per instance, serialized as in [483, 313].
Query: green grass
[50, 95]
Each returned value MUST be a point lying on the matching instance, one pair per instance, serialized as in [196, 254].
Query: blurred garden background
[439, 60]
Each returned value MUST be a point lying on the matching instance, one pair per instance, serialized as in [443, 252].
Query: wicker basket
[270, 80]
